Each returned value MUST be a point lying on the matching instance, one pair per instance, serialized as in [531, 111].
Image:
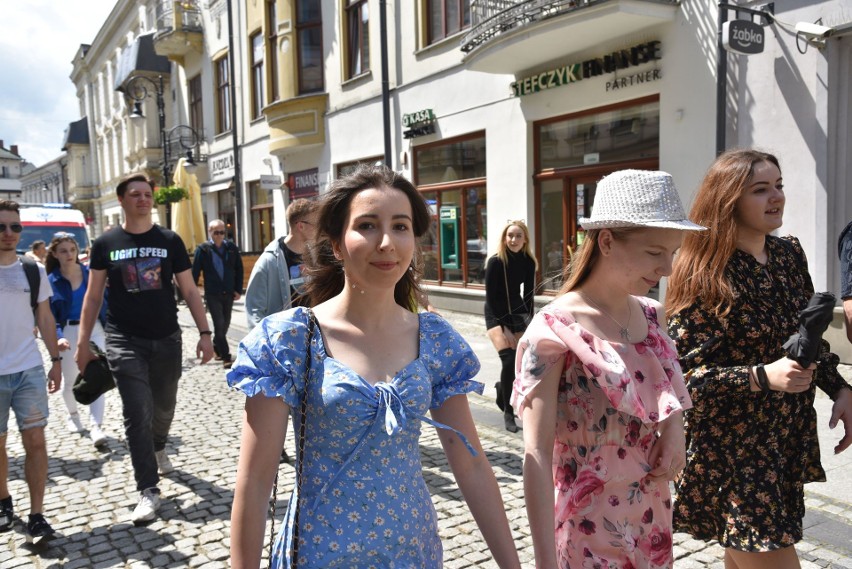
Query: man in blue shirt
[220, 262]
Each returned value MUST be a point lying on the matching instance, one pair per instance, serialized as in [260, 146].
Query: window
[262, 220]
[257, 48]
[309, 40]
[346, 168]
[223, 96]
[446, 17]
[196, 110]
[357, 38]
[451, 176]
[272, 49]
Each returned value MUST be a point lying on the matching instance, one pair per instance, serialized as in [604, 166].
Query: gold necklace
[623, 331]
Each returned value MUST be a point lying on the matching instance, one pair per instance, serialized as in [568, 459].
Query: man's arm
[238, 274]
[197, 265]
[257, 293]
[204, 349]
[47, 327]
[88, 316]
[847, 313]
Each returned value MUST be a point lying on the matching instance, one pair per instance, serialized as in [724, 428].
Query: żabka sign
[742, 36]
[571, 73]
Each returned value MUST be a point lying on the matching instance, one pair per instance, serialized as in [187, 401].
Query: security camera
[813, 31]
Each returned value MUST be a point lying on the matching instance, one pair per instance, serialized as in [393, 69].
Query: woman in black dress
[733, 300]
[507, 309]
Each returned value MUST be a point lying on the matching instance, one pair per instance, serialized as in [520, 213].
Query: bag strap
[33, 279]
[506, 282]
[301, 456]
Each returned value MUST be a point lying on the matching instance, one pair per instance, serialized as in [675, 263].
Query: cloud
[38, 40]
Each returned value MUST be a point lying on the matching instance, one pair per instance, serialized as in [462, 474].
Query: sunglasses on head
[15, 227]
[218, 232]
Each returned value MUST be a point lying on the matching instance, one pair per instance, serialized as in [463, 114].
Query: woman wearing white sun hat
[600, 391]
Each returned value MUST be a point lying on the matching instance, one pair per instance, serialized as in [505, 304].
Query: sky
[38, 40]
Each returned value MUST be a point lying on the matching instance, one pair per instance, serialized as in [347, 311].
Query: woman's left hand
[668, 457]
[842, 411]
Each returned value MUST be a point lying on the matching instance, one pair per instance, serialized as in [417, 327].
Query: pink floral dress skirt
[611, 398]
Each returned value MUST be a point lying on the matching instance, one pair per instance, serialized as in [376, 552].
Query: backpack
[33, 278]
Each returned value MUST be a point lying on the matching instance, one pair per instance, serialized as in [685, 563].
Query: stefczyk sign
[573, 72]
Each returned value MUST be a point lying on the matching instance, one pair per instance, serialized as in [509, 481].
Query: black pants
[220, 307]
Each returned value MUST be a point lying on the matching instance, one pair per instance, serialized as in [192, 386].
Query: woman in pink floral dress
[600, 390]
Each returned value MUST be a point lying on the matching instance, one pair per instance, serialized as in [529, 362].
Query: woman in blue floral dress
[365, 380]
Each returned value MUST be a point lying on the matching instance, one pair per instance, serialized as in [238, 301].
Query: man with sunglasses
[23, 386]
[219, 261]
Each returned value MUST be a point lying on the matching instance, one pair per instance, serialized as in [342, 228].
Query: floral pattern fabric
[611, 399]
[364, 502]
[749, 453]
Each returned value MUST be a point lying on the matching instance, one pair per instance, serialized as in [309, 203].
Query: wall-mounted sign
[573, 72]
[270, 182]
[417, 124]
[222, 166]
[304, 184]
[635, 79]
[742, 36]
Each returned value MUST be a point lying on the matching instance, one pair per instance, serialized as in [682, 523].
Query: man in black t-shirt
[143, 345]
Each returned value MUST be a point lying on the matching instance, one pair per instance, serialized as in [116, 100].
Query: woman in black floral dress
[733, 300]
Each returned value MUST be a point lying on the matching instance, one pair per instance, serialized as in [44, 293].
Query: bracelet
[762, 378]
[55, 359]
[205, 333]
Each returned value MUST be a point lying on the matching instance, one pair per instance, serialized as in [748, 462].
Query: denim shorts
[25, 392]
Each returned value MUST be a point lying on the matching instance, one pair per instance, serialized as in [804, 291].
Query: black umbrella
[803, 346]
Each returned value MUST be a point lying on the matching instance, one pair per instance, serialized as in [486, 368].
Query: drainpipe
[238, 190]
[383, 33]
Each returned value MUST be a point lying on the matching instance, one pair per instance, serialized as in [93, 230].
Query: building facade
[12, 167]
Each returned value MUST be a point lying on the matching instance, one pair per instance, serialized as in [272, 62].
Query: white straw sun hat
[638, 198]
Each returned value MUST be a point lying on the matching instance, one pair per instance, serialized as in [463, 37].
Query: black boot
[499, 389]
[509, 420]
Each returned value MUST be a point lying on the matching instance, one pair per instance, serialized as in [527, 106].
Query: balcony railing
[178, 16]
[490, 18]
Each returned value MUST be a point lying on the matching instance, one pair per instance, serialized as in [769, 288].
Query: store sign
[742, 36]
[268, 182]
[571, 73]
[304, 184]
[417, 124]
[222, 166]
[635, 79]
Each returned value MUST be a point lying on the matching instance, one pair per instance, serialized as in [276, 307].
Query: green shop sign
[573, 72]
[420, 117]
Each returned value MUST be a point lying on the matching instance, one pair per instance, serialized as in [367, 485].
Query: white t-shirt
[18, 348]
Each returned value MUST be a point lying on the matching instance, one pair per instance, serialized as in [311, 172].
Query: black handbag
[95, 380]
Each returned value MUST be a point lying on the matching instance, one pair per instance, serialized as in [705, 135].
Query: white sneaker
[164, 465]
[74, 424]
[146, 509]
[98, 437]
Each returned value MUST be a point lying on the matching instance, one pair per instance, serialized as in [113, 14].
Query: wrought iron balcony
[516, 26]
[179, 28]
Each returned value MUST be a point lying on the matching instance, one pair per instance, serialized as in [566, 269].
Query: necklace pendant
[625, 334]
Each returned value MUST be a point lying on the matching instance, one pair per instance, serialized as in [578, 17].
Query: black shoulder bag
[294, 553]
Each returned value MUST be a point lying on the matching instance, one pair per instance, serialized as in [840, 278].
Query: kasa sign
[742, 36]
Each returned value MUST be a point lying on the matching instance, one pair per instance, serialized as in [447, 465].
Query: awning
[217, 187]
[140, 56]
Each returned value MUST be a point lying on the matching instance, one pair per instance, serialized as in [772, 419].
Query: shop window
[226, 203]
[272, 49]
[446, 17]
[257, 50]
[357, 38]
[346, 168]
[262, 224]
[309, 46]
[451, 176]
[223, 95]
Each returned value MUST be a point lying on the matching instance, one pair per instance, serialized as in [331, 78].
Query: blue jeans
[146, 374]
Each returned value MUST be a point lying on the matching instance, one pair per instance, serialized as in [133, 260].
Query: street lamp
[188, 138]
[137, 88]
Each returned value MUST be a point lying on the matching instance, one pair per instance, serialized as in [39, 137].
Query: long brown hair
[699, 271]
[502, 248]
[50, 261]
[325, 272]
[587, 255]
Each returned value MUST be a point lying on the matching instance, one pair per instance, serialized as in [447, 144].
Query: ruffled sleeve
[271, 358]
[451, 362]
[643, 380]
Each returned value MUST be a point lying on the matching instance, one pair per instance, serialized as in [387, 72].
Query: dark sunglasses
[15, 227]
[218, 233]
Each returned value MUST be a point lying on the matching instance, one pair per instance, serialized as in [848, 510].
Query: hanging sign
[743, 37]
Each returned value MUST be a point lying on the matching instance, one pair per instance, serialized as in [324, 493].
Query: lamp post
[137, 88]
[188, 138]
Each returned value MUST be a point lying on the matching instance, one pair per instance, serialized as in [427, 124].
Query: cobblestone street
[91, 493]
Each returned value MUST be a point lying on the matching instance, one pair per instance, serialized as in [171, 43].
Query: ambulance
[41, 222]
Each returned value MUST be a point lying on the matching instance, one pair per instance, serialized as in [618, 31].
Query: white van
[42, 222]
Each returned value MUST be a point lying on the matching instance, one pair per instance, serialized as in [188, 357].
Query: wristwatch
[55, 359]
[205, 332]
